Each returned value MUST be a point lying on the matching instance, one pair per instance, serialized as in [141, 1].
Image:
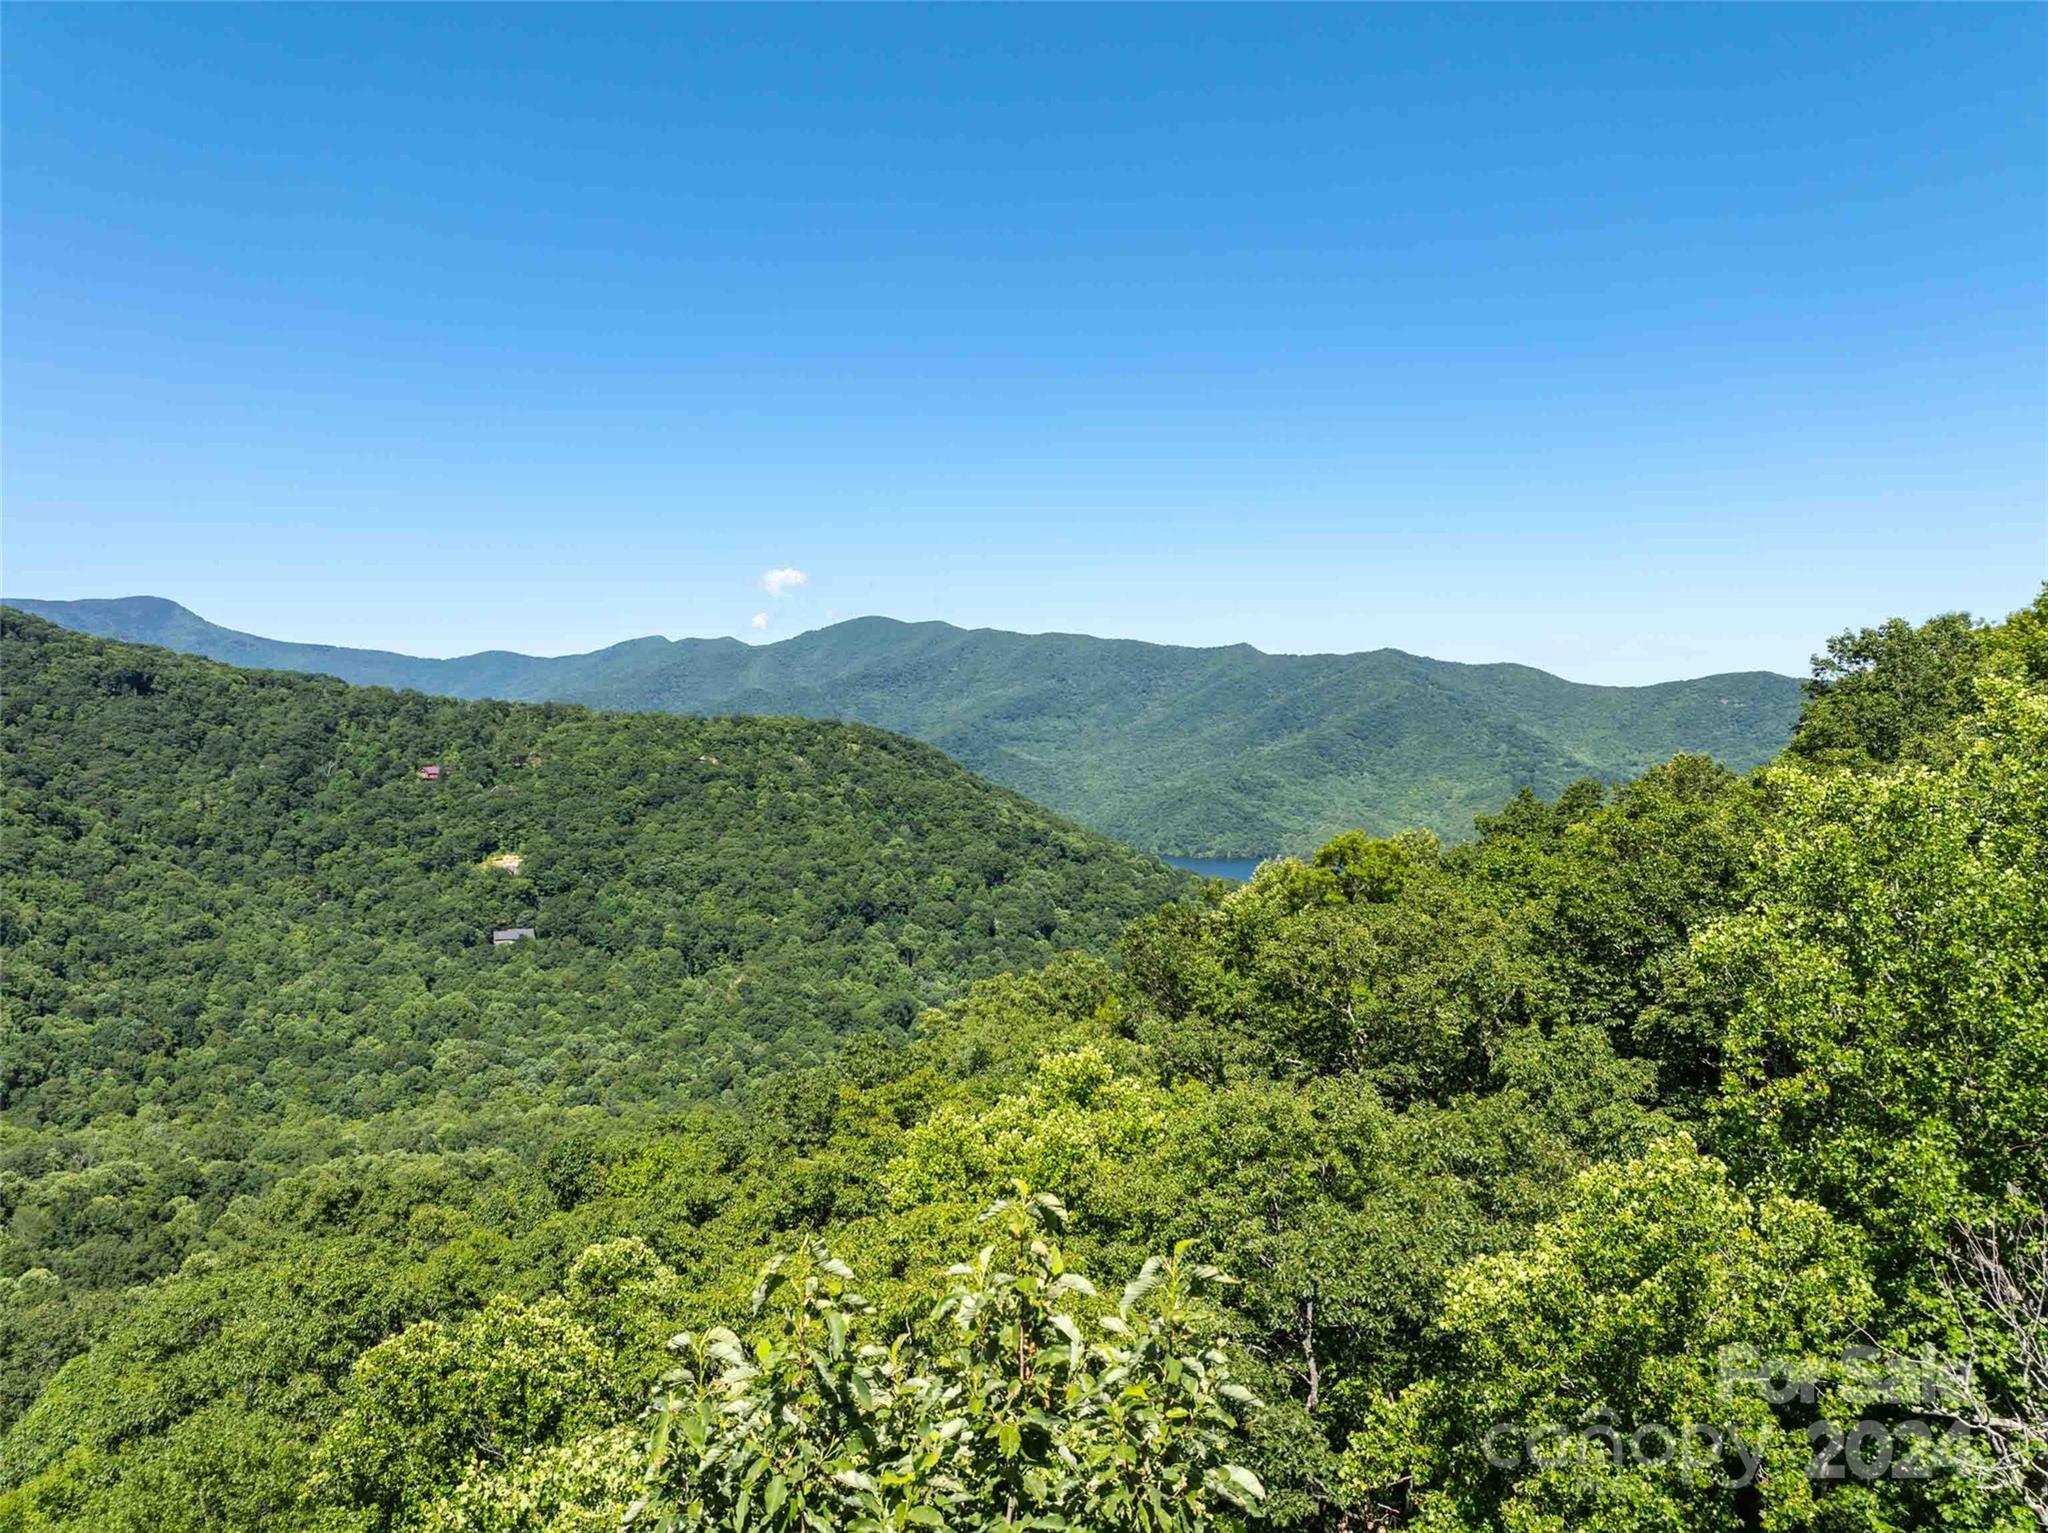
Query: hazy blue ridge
[1197, 752]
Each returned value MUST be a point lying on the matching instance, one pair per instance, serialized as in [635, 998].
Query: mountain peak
[1194, 751]
[154, 607]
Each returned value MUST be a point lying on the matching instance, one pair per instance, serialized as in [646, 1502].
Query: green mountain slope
[1535, 1129]
[244, 868]
[1191, 751]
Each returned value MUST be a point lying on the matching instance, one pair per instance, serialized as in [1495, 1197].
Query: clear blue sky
[1628, 343]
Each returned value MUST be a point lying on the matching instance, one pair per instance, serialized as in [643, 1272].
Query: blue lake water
[1239, 868]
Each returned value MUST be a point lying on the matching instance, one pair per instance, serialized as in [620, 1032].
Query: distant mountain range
[1196, 752]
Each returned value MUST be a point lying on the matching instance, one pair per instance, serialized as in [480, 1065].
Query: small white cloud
[782, 582]
[760, 620]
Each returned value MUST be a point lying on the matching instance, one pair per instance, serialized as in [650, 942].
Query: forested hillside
[1405, 1187]
[252, 866]
[242, 931]
[1185, 751]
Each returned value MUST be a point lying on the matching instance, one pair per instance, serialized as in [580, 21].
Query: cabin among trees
[502, 935]
[430, 773]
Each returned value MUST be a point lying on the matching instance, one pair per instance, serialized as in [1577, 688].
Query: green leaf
[1148, 1278]
[1245, 1481]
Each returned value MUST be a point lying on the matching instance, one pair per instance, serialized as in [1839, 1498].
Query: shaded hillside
[1194, 751]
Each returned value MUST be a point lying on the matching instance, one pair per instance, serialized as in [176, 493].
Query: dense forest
[1670, 1155]
[244, 934]
[1197, 752]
